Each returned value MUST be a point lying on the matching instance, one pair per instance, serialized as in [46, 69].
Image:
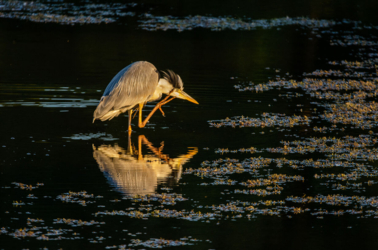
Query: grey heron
[134, 86]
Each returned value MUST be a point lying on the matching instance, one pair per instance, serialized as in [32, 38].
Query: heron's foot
[162, 112]
[163, 103]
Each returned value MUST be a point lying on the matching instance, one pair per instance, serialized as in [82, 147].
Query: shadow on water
[133, 173]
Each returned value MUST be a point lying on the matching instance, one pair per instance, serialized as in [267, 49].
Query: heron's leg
[140, 113]
[130, 116]
[135, 113]
[158, 106]
[163, 103]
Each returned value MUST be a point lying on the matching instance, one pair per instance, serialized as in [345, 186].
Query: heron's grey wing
[132, 85]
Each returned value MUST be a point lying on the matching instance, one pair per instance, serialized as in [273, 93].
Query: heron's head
[172, 84]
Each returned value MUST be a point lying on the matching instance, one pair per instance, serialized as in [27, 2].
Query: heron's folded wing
[132, 85]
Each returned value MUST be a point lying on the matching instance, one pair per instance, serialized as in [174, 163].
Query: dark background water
[52, 76]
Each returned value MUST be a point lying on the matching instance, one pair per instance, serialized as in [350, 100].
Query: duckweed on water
[26, 186]
[153, 23]
[163, 198]
[39, 233]
[93, 13]
[76, 197]
[268, 120]
[160, 243]
[360, 115]
[64, 13]
[76, 223]
[311, 85]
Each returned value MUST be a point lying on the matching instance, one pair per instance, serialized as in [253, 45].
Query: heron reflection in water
[134, 86]
[136, 174]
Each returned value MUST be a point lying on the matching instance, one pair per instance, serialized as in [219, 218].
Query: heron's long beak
[182, 95]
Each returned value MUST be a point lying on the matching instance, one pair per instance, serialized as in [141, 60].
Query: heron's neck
[164, 87]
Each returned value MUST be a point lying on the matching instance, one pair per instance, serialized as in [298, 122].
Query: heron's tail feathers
[110, 115]
[105, 109]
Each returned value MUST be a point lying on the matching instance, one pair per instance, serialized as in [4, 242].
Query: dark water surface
[66, 183]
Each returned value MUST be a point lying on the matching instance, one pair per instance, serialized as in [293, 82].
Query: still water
[280, 152]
